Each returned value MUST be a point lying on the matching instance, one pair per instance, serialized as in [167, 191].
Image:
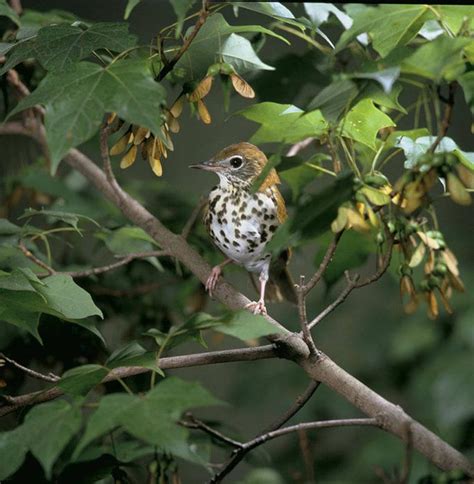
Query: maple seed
[121, 144]
[242, 86]
[177, 107]
[140, 134]
[202, 89]
[129, 157]
[203, 112]
[457, 190]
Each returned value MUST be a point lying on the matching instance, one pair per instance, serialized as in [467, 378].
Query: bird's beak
[206, 165]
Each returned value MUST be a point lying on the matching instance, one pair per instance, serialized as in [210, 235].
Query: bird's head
[239, 164]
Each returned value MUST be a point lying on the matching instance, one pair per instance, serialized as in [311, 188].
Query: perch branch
[305, 329]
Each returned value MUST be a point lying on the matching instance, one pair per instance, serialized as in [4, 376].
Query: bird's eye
[236, 162]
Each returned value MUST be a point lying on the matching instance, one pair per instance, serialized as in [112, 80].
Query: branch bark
[166, 363]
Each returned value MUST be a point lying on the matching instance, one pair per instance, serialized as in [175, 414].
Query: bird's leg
[216, 271]
[259, 306]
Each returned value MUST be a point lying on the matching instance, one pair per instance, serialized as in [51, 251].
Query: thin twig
[351, 284]
[167, 68]
[262, 439]
[298, 404]
[448, 114]
[300, 293]
[171, 362]
[50, 271]
[324, 263]
[305, 446]
[188, 226]
[194, 423]
[51, 377]
[297, 147]
[383, 267]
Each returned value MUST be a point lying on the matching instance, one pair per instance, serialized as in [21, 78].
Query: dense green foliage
[377, 106]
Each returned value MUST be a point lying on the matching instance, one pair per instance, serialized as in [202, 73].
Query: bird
[241, 221]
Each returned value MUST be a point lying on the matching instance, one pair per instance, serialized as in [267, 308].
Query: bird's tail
[280, 285]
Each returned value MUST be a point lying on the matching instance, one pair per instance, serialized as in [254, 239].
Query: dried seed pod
[121, 144]
[451, 262]
[203, 112]
[141, 133]
[174, 125]
[356, 221]
[155, 164]
[457, 190]
[111, 118]
[202, 89]
[433, 310]
[129, 158]
[466, 176]
[242, 86]
[177, 107]
[340, 222]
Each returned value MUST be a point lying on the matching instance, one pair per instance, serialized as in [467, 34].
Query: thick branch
[167, 363]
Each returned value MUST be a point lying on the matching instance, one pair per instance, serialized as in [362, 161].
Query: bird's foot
[257, 307]
[212, 279]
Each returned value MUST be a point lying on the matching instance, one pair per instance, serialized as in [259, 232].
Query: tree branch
[188, 226]
[262, 439]
[448, 114]
[298, 404]
[324, 263]
[35, 374]
[167, 68]
[167, 363]
[49, 270]
[351, 284]
[194, 423]
[305, 328]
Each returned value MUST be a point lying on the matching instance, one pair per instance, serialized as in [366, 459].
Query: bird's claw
[212, 279]
[257, 307]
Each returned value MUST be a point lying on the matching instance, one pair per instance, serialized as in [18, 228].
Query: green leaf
[7, 11]
[439, 59]
[467, 84]
[314, 216]
[68, 299]
[454, 16]
[58, 47]
[33, 20]
[319, 14]
[106, 418]
[8, 228]
[69, 218]
[16, 281]
[131, 4]
[272, 9]
[284, 123]
[244, 325]
[181, 8]
[353, 251]
[335, 99]
[363, 122]
[151, 417]
[80, 380]
[388, 26]
[386, 77]
[380, 97]
[128, 239]
[22, 309]
[77, 99]
[46, 437]
[238, 51]
[13, 450]
[205, 49]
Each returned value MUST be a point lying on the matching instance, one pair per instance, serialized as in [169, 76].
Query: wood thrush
[241, 222]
